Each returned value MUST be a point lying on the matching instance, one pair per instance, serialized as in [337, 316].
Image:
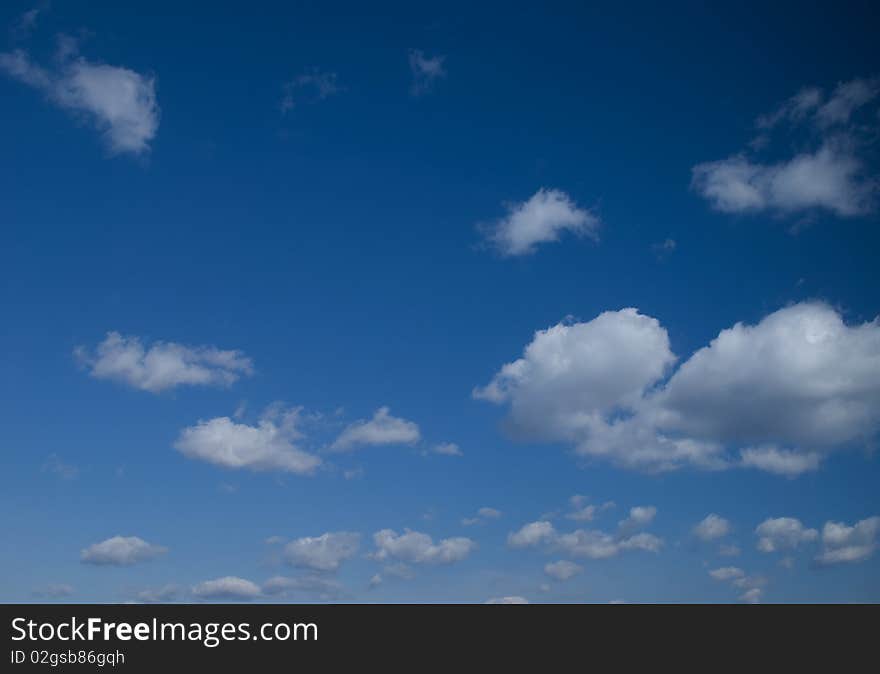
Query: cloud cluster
[121, 551]
[120, 103]
[843, 544]
[413, 547]
[782, 534]
[582, 543]
[830, 176]
[752, 586]
[544, 218]
[777, 395]
[162, 366]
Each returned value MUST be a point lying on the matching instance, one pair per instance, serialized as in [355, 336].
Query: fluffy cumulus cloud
[831, 175]
[544, 218]
[639, 517]
[269, 445]
[842, 543]
[582, 543]
[322, 553]
[382, 429]
[121, 551]
[162, 366]
[562, 569]
[712, 527]
[414, 547]
[228, 588]
[781, 534]
[513, 599]
[777, 396]
[426, 71]
[120, 103]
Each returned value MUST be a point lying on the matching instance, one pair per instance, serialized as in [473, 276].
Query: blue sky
[320, 276]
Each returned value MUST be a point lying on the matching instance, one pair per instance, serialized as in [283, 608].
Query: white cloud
[227, 588]
[311, 86]
[570, 374]
[544, 218]
[842, 543]
[783, 533]
[121, 551]
[382, 429]
[583, 512]
[267, 446]
[447, 449]
[794, 387]
[514, 599]
[780, 461]
[639, 516]
[727, 573]
[752, 595]
[426, 71]
[325, 589]
[532, 534]
[164, 365]
[322, 553]
[483, 514]
[119, 102]
[712, 527]
[562, 569]
[413, 547]
[752, 585]
[581, 543]
[830, 176]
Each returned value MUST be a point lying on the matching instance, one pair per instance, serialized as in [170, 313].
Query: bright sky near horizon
[487, 302]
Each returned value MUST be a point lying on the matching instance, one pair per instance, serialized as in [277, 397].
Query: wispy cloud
[120, 103]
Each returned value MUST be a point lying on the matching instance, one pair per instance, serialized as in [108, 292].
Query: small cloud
[426, 71]
[664, 249]
[382, 429]
[562, 570]
[56, 466]
[447, 449]
[712, 527]
[227, 588]
[483, 514]
[54, 591]
[543, 218]
[515, 599]
[121, 551]
[312, 86]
